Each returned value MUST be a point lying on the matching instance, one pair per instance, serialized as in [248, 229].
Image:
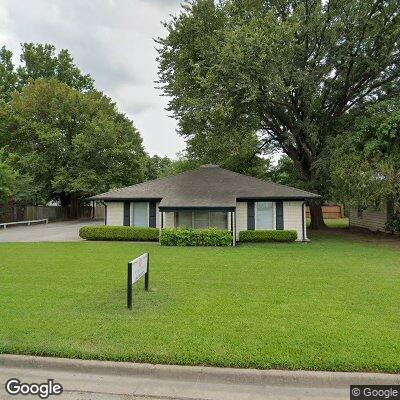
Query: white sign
[139, 267]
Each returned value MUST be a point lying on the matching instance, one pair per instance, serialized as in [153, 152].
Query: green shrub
[195, 237]
[267, 236]
[393, 224]
[119, 233]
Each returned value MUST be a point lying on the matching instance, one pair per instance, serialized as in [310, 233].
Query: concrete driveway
[62, 231]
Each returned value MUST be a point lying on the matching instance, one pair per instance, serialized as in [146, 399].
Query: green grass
[337, 223]
[332, 304]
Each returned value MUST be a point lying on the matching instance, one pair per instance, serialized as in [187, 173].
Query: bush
[393, 225]
[267, 236]
[195, 237]
[119, 233]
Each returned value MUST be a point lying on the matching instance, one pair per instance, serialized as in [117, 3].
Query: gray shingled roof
[207, 186]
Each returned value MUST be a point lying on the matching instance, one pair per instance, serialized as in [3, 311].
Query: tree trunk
[74, 205]
[317, 219]
[65, 199]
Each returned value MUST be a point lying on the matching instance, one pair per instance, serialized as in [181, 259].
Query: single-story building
[373, 219]
[209, 196]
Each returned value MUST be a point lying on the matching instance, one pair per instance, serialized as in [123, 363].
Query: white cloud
[112, 40]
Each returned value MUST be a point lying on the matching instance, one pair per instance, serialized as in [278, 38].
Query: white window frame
[273, 214]
[132, 222]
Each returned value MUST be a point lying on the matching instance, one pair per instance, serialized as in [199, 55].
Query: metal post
[146, 275]
[129, 286]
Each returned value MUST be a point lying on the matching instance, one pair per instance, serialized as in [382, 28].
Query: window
[140, 214]
[184, 219]
[219, 219]
[264, 215]
[202, 219]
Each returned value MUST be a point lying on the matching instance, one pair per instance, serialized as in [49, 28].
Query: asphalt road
[61, 231]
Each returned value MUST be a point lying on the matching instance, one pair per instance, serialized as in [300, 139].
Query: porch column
[233, 227]
[161, 223]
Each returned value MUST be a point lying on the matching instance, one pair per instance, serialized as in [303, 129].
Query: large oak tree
[67, 145]
[285, 70]
[39, 61]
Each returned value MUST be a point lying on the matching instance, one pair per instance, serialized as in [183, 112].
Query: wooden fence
[330, 212]
[57, 212]
[15, 213]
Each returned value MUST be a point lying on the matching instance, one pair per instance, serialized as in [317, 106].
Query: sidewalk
[100, 380]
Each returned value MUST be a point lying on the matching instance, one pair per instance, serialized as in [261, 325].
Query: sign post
[136, 269]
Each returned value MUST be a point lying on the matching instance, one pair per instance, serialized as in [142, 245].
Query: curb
[202, 374]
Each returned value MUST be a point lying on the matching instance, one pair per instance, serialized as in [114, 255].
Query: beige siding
[241, 217]
[373, 220]
[115, 213]
[169, 220]
[292, 217]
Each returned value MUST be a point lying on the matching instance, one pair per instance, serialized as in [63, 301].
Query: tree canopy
[366, 162]
[39, 61]
[7, 178]
[281, 74]
[67, 143]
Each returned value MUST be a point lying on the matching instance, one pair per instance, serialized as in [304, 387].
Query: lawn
[332, 304]
[337, 223]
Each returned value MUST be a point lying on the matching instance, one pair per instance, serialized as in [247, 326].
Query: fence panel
[329, 212]
[53, 213]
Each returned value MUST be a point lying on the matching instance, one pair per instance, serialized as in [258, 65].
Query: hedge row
[182, 237]
[267, 236]
[119, 233]
[195, 237]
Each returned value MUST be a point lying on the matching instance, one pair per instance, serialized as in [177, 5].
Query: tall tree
[39, 61]
[67, 145]
[288, 70]
[285, 173]
[156, 166]
[7, 178]
[366, 162]
[8, 75]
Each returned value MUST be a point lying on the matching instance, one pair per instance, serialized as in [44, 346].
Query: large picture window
[202, 219]
[184, 219]
[140, 214]
[264, 215]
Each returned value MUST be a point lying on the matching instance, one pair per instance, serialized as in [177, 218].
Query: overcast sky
[112, 40]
